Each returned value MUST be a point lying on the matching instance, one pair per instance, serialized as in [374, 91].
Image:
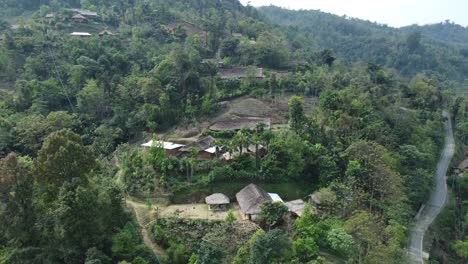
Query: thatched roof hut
[251, 198]
[217, 198]
[240, 123]
[217, 201]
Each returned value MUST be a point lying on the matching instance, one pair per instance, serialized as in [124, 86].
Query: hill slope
[438, 50]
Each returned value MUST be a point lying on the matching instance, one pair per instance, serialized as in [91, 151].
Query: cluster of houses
[206, 150]
[83, 16]
[250, 200]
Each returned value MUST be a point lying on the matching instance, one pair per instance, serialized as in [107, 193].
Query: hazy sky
[395, 13]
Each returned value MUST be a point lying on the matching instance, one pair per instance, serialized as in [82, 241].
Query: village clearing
[246, 106]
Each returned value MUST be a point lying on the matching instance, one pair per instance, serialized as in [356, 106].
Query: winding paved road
[437, 199]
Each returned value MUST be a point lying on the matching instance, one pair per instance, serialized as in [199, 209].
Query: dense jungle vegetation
[73, 111]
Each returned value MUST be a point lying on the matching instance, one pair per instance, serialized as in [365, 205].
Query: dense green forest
[438, 50]
[362, 129]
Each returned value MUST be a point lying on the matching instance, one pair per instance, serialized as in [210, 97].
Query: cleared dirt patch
[196, 211]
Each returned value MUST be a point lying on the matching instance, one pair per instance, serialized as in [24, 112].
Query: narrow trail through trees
[143, 222]
[438, 197]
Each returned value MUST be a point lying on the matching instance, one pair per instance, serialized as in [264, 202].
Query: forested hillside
[352, 115]
[439, 50]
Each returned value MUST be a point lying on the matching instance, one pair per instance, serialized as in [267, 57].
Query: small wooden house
[217, 201]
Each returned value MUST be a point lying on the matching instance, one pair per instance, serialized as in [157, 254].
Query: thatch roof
[240, 123]
[202, 144]
[296, 206]
[216, 199]
[239, 73]
[251, 198]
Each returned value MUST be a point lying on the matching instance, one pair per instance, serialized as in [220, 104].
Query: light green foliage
[230, 218]
[340, 241]
[305, 249]
[273, 213]
[461, 248]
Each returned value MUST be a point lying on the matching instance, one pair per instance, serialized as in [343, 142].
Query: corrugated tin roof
[275, 197]
[163, 144]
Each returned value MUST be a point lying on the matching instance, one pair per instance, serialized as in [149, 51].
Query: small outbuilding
[217, 201]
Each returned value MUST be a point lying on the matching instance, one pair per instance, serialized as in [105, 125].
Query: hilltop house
[217, 201]
[252, 197]
[171, 149]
